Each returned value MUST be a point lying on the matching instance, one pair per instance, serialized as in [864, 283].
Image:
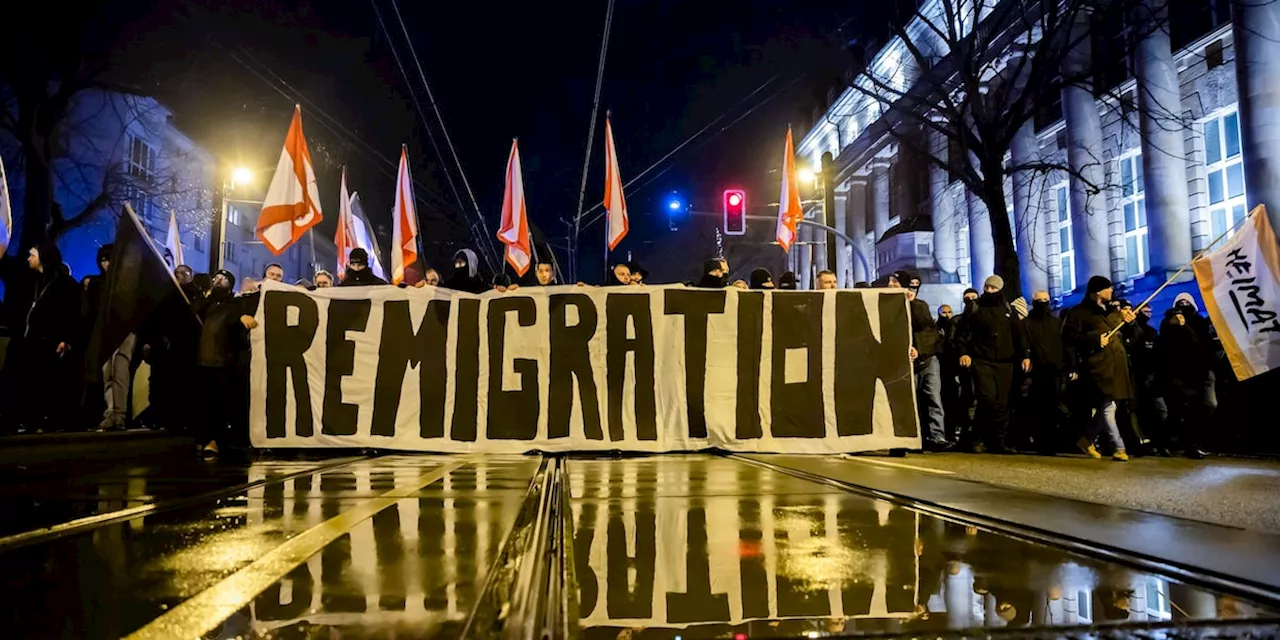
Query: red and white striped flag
[614, 202]
[515, 222]
[789, 212]
[292, 205]
[404, 238]
[345, 237]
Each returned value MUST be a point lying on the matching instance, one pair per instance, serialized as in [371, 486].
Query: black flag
[137, 282]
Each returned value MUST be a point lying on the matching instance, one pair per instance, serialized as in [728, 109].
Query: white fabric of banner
[437, 370]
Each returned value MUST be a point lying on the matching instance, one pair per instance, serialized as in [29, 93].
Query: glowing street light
[806, 175]
[241, 176]
[674, 205]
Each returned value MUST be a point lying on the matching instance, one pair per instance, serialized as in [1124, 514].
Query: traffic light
[735, 212]
[677, 211]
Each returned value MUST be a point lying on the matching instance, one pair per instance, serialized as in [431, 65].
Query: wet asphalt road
[687, 546]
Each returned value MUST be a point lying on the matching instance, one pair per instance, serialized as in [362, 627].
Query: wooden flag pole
[1188, 265]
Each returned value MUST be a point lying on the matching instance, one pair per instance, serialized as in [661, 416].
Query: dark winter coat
[51, 304]
[992, 332]
[924, 333]
[1104, 370]
[360, 278]
[222, 336]
[1044, 335]
[1140, 343]
[1185, 353]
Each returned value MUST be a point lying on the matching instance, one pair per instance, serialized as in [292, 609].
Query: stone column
[819, 249]
[942, 211]
[880, 178]
[982, 250]
[1084, 156]
[857, 229]
[1163, 164]
[843, 267]
[1028, 217]
[1256, 27]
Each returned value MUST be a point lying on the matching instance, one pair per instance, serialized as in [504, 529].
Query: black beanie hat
[104, 252]
[1096, 284]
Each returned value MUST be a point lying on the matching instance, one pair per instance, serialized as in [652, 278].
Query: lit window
[1225, 171]
[140, 158]
[1066, 247]
[1133, 202]
[233, 215]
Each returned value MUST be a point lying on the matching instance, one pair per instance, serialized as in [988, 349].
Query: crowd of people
[997, 376]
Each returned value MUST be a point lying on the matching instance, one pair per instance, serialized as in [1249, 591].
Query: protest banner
[643, 369]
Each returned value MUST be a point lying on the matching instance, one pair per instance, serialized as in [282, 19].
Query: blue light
[674, 205]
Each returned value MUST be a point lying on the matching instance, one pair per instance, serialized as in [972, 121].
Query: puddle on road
[685, 547]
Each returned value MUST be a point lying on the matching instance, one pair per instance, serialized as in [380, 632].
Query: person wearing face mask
[993, 346]
[760, 279]
[962, 418]
[787, 281]
[1049, 367]
[465, 276]
[1100, 359]
[713, 275]
[1147, 413]
[222, 336]
[924, 351]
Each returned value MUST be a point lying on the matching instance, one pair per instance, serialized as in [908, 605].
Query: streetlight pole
[219, 232]
[827, 181]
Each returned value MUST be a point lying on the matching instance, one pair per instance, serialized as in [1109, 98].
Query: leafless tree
[975, 72]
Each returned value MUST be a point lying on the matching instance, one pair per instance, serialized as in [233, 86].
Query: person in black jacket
[1049, 365]
[1101, 362]
[41, 364]
[358, 272]
[465, 276]
[223, 337]
[993, 346]
[1147, 413]
[1185, 362]
[925, 348]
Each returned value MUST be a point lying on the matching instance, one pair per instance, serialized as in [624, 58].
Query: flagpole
[1184, 268]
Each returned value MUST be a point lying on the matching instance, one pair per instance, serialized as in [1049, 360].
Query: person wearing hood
[925, 348]
[761, 279]
[1101, 362]
[787, 281]
[1049, 367]
[993, 346]
[1204, 329]
[49, 333]
[619, 276]
[713, 275]
[358, 272]
[223, 336]
[465, 276]
[638, 273]
[1185, 363]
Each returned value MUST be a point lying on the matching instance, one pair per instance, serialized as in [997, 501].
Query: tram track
[1194, 575]
[86, 523]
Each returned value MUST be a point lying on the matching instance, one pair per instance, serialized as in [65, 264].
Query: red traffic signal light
[735, 212]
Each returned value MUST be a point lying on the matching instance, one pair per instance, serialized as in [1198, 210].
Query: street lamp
[806, 176]
[238, 176]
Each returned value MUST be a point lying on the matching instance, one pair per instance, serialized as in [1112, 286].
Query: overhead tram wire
[591, 132]
[417, 106]
[691, 138]
[422, 192]
[495, 266]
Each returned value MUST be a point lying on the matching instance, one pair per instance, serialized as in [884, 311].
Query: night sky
[504, 70]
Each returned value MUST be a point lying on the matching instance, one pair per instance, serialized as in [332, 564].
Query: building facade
[116, 146]
[1170, 190]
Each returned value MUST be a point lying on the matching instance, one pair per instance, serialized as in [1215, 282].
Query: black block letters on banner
[627, 315]
[861, 360]
[285, 346]
[402, 349]
[339, 418]
[797, 333]
[571, 361]
[696, 307]
[513, 414]
[633, 368]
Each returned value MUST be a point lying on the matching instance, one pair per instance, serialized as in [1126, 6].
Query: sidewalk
[21, 452]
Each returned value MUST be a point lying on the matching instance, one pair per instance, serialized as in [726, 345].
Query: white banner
[583, 369]
[1240, 283]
